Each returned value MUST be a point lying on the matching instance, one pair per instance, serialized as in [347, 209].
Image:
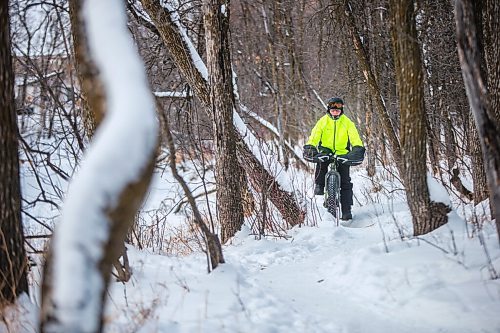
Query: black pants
[345, 183]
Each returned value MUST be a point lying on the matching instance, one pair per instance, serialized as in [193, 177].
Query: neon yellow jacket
[335, 134]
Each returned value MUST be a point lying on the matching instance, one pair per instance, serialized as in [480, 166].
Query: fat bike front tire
[332, 194]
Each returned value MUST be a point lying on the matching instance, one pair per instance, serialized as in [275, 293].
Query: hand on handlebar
[342, 159]
[323, 158]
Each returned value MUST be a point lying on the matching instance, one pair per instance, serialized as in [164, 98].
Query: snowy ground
[323, 278]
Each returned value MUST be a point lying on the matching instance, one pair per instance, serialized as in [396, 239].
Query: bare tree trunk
[374, 89]
[426, 215]
[13, 260]
[183, 58]
[486, 122]
[229, 198]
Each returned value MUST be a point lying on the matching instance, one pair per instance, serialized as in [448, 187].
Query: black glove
[354, 157]
[324, 150]
[309, 152]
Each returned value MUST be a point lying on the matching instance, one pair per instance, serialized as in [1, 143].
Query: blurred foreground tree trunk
[13, 260]
[96, 219]
[486, 119]
[93, 96]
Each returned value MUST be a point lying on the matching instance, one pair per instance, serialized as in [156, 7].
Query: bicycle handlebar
[329, 157]
[321, 157]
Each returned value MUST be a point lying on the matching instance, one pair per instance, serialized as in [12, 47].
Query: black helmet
[335, 100]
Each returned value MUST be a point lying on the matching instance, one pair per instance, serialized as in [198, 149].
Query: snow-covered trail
[324, 278]
[303, 281]
[345, 281]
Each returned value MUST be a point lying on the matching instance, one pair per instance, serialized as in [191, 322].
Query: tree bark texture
[479, 180]
[491, 34]
[486, 122]
[289, 208]
[426, 216]
[13, 260]
[229, 203]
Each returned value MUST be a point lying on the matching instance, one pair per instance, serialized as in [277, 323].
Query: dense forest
[223, 95]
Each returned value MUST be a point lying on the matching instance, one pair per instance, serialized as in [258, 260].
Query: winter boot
[319, 190]
[346, 216]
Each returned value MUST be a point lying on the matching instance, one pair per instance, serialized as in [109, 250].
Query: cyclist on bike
[336, 134]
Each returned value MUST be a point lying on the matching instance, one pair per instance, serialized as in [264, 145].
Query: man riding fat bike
[335, 134]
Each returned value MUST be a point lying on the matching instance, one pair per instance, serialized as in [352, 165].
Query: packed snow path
[322, 279]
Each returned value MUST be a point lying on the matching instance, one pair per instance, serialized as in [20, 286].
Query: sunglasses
[335, 105]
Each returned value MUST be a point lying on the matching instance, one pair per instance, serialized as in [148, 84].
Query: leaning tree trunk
[486, 121]
[185, 60]
[13, 260]
[426, 215]
[229, 203]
